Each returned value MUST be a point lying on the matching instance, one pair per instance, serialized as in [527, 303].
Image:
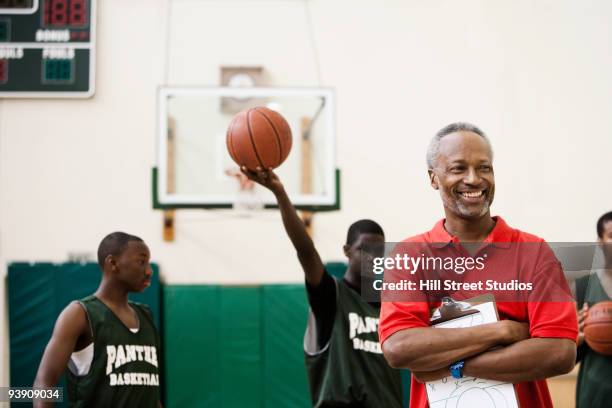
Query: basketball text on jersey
[361, 325]
[118, 355]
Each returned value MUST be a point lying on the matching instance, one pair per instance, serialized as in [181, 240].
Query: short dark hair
[600, 223]
[434, 144]
[362, 227]
[114, 244]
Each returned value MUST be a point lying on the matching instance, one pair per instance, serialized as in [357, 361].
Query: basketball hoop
[246, 200]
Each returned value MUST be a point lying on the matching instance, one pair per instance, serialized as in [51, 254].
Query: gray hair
[434, 145]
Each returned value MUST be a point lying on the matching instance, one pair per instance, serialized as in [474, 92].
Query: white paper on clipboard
[470, 392]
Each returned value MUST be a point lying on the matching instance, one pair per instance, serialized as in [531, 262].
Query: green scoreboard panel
[47, 48]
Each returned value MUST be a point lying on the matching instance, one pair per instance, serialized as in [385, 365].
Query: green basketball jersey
[351, 369]
[594, 388]
[124, 371]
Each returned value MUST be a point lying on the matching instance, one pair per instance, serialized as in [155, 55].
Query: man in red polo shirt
[537, 335]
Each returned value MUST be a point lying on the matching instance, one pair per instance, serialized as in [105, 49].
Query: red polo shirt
[546, 319]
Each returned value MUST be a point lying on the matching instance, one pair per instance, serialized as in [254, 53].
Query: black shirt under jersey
[322, 299]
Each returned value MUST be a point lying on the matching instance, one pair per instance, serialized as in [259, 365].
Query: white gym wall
[534, 75]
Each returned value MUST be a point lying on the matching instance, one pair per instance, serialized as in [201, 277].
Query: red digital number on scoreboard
[65, 13]
[3, 71]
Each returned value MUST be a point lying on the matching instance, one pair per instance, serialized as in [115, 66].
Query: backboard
[194, 169]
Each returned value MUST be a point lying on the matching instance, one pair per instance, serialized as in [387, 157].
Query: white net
[247, 198]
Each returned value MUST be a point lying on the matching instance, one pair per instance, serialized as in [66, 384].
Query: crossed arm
[428, 352]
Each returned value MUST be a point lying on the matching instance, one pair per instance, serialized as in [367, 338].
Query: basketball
[598, 328]
[258, 137]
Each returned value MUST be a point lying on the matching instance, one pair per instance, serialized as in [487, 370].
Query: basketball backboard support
[194, 169]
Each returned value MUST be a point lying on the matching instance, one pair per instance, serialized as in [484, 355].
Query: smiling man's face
[463, 173]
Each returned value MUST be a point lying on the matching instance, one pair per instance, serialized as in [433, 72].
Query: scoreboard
[47, 48]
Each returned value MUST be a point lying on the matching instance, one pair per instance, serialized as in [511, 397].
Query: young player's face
[133, 266]
[360, 254]
[606, 240]
[463, 174]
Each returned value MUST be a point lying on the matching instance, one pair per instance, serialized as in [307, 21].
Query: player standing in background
[345, 364]
[109, 344]
[593, 387]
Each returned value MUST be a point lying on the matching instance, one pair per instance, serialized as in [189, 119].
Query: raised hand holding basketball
[266, 178]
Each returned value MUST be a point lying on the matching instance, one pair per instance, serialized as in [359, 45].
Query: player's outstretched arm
[70, 325]
[307, 254]
[427, 349]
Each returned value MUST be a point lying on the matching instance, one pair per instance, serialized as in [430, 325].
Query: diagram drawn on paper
[471, 392]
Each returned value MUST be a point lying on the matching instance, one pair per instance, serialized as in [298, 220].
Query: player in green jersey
[108, 344]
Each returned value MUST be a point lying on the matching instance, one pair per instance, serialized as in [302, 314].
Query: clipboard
[451, 309]
[468, 392]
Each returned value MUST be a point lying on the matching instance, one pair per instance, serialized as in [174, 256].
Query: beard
[466, 212]
[463, 210]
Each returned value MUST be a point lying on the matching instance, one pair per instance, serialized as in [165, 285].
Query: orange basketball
[258, 137]
[598, 328]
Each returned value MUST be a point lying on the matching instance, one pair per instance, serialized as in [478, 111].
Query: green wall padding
[237, 346]
[285, 310]
[336, 269]
[32, 308]
[191, 346]
[37, 293]
[240, 347]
